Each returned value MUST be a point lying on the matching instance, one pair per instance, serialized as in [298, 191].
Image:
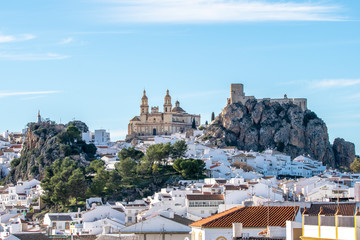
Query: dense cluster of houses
[213, 208]
[246, 195]
[10, 148]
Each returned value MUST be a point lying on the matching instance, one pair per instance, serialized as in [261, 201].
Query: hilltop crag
[257, 125]
[46, 142]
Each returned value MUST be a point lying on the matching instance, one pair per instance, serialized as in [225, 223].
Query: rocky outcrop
[286, 127]
[344, 152]
[42, 146]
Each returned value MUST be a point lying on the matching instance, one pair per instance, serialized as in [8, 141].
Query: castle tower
[167, 102]
[38, 117]
[236, 92]
[144, 107]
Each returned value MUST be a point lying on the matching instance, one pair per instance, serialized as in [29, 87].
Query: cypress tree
[212, 116]
[193, 124]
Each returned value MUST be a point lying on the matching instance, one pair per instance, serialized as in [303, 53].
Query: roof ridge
[223, 214]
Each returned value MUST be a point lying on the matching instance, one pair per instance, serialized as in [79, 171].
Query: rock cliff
[44, 143]
[286, 127]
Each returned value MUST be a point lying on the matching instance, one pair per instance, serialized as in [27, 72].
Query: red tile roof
[231, 187]
[214, 166]
[250, 217]
[205, 197]
[346, 209]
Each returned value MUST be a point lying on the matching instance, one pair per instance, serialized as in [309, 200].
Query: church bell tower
[144, 107]
[167, 102]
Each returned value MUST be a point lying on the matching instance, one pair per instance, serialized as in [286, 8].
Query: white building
[166, 226]
[245, 222]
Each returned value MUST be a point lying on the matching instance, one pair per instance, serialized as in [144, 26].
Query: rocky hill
[46, 142]
[286, 127]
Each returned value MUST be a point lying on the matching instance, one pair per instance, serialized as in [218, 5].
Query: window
[200, 236]
[67, 225]
[54, 225]
[129, 219]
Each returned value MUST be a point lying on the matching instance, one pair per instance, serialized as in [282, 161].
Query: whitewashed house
[203, 205]
[165, 226]
[245, 222]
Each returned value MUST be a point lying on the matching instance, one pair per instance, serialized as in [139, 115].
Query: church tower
[144, 107]
[39, 117]
[167, 102]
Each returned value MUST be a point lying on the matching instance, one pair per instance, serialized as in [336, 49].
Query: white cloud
[66, 40]
[355, 96]
[11, 94]
[104, 32]
[202, 11]
[32, 56]
[328, 83]
[16, 38]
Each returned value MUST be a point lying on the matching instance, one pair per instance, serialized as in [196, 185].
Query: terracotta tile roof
[214, 166]
[203, 222]
[16, 146]
[30, 236]
[254, 217]
[231, 187]
[346, 209]
[220, 180]
[205, 197]
[211, 185]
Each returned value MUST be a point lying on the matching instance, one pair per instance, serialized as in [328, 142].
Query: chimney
[237, 230]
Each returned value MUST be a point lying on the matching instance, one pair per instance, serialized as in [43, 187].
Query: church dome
[177, 108]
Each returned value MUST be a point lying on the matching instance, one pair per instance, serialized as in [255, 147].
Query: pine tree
[193, 124]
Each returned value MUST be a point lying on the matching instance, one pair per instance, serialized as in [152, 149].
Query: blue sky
[90, 60]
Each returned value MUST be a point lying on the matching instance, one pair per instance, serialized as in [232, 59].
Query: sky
[90, 60]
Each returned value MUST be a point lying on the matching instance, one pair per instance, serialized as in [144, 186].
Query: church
[171, 120]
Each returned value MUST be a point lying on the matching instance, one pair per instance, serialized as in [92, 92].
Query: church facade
[171, 120]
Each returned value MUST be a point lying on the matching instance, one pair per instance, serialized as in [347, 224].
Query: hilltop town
[176, 178]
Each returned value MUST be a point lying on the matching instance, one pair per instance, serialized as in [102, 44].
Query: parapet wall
[237, 95]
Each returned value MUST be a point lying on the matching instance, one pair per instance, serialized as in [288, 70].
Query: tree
[158, 153]
[70, 136]
[178, 149]
[58, 189]
[89, 149]
[212, 116]
[130, 153]
[77, 185]
[190, 168]
[98, 184]
[355, 165]
[206, 123]
[96, 165]
[127, 169]
[144, 166]
[193, 125]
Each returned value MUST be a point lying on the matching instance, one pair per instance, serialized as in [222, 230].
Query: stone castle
[172, 120]
[237, 95]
